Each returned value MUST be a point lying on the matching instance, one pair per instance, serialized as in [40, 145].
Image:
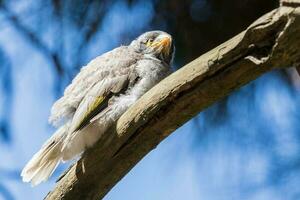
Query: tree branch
[271, 42]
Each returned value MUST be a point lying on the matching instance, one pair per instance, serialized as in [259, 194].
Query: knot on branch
[273, 31]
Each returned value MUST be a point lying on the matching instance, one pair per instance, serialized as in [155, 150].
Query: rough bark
[273, 41]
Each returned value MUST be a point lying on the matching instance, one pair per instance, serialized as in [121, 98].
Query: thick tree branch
[271, 42]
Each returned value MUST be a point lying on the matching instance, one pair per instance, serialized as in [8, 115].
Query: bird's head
[155, 43]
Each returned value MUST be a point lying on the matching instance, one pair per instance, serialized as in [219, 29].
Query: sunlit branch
[271, 42]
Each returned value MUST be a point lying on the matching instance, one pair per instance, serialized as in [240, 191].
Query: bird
[97, 97]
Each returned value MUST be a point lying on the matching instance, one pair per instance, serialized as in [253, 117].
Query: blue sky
[232, 159]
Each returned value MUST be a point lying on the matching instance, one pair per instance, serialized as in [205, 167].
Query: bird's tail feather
[44, 162]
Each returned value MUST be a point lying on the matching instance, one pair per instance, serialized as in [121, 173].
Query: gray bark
[273, 41]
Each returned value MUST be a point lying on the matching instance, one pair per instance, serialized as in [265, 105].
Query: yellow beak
[164, 43]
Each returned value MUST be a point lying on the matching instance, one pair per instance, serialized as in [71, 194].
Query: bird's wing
[96, 71]
[97, 99]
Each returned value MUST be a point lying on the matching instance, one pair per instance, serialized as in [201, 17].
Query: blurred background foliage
[244, 147]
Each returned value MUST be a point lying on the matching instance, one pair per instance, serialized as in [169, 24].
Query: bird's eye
[149, 42]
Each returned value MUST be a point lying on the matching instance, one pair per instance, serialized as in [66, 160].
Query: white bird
[98, 96]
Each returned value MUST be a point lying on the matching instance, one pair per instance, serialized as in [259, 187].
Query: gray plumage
[98, 96]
